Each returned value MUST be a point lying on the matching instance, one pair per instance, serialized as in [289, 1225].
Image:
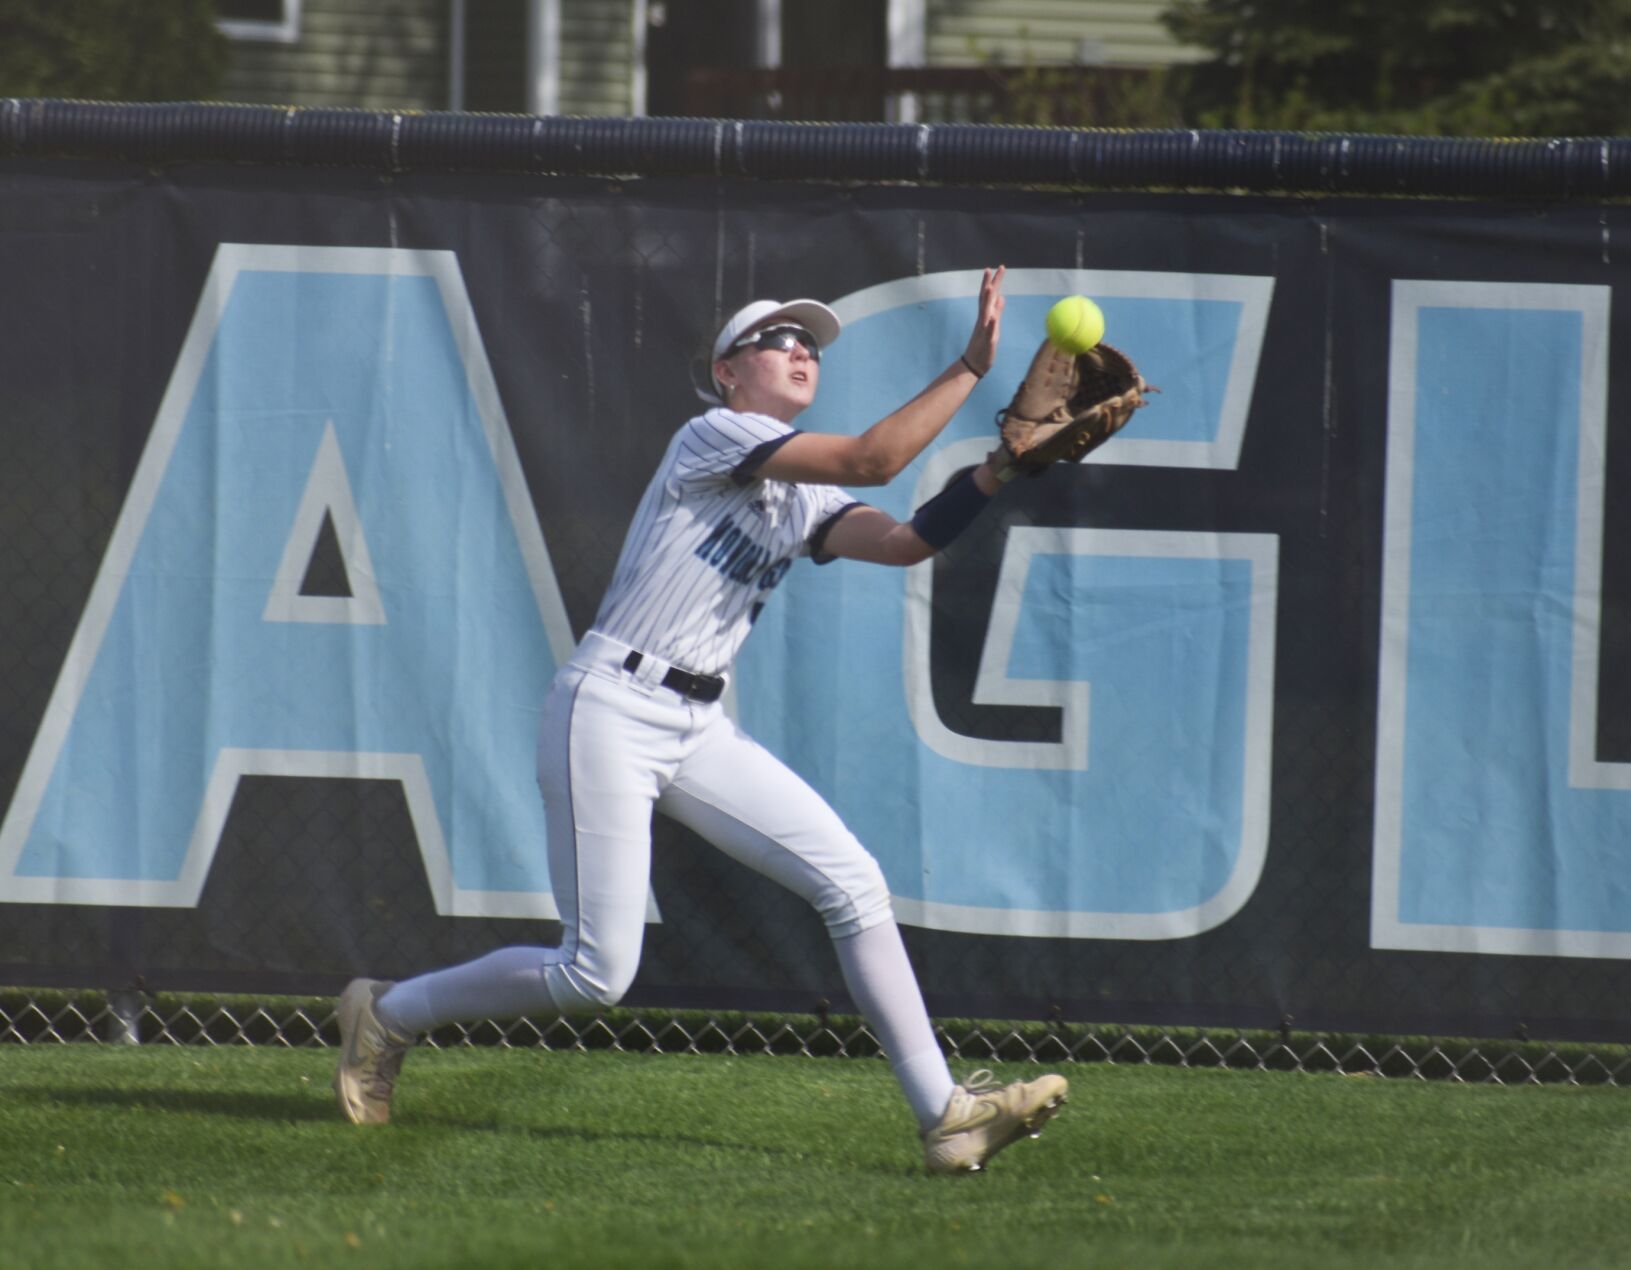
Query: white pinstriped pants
[614, 745]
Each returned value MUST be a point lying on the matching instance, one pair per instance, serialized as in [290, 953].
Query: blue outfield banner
[336, 389]
[1304, 698]
[1153, 648]
[1502, 826]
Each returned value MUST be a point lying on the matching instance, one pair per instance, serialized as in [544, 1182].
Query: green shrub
[111, 50]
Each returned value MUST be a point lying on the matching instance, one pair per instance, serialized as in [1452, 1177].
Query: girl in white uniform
[633, 722]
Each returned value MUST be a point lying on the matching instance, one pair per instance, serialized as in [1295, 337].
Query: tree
[111, 50]
[1445, 67]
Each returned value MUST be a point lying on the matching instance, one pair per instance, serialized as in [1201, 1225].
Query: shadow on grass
[569, 1133]
[289, 1108]
[241, 1106]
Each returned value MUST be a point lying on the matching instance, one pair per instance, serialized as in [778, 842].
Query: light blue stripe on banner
[1492, 835]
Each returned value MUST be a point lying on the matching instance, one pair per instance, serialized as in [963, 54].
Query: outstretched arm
[882, 452]
[878, 538]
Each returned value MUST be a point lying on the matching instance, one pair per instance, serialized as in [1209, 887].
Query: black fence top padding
[1553, 169]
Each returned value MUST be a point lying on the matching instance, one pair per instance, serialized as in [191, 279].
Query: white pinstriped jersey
[710, 540]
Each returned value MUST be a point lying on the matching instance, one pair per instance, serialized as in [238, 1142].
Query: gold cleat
[983, 1117]
[370, 1055]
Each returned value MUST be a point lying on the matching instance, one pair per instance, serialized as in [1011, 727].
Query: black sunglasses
[782, 339]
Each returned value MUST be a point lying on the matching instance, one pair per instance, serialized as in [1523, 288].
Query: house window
[695, 49]
[274, 20]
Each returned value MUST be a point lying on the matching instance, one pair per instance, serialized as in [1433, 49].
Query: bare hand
[981, 352]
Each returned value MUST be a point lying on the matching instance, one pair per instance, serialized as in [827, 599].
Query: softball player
[633, 722]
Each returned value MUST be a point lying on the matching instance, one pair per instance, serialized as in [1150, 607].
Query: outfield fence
[321, 429]
[62, 1018]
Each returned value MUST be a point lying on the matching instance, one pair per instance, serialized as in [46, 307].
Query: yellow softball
[1075, 324]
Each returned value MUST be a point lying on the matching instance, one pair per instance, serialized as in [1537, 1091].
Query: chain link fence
[316, 880]
[48, 1017]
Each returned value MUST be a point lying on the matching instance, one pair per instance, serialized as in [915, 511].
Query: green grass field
[237, 1157]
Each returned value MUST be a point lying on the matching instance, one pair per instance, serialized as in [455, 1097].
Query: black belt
[697, 687]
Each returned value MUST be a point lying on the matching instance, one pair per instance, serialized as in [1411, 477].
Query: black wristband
[950, 511]
[963, 357]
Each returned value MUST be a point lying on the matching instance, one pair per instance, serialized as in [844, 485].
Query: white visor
[812, 315]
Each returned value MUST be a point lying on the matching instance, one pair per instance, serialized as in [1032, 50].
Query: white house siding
[1041, 32]
[377, 54]
[597, 57]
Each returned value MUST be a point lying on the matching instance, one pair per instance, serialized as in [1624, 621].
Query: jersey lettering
[774, 574]
[728, 548]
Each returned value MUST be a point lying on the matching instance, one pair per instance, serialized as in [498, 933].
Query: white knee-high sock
[879, 976]
[502, 985]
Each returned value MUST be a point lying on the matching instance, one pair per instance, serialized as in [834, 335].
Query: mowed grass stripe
[207, 1157]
